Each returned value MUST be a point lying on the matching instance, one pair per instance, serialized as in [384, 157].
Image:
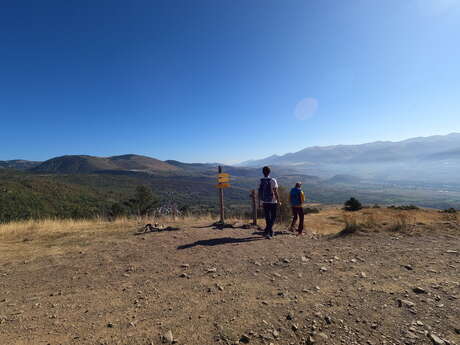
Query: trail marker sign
[223, 180]
[223, 185]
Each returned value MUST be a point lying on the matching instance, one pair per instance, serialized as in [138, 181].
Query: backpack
[266, 190]
[296, 199]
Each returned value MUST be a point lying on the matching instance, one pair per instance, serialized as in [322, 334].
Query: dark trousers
[270, 217]
[297, 212]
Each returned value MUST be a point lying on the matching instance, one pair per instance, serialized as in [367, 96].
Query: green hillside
[81, 164]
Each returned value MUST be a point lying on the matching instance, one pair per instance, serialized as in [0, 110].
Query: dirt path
[226, 287]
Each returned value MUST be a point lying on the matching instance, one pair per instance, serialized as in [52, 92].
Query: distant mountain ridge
[18, 164]
[415, 148]
[83, 164]
[422, 158]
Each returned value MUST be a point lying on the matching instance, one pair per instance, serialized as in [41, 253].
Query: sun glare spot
[306, 108]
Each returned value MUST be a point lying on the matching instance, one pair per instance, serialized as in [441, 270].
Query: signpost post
[223, 180]
[254, 206]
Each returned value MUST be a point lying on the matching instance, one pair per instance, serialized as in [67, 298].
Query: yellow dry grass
[330, 220]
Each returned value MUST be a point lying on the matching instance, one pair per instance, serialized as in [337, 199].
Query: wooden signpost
[253, 196]
[223, 180]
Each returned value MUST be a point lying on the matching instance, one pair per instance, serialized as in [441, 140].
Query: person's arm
[302, 198]
[275, 191]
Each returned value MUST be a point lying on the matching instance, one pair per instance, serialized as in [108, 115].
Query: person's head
[266, 171]
[298, 185]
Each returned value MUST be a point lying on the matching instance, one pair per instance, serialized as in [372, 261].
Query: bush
[353, 205]
[351, 226]
[404, 207]
[450, 210]
[309, 210]
[284, 211]
[403, 223]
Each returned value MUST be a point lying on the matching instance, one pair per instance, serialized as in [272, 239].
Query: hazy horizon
[230, 163]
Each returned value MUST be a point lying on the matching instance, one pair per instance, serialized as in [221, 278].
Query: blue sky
[223, 80]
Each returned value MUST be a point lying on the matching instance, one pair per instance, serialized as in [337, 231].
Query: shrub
[351, 226]
[403, 223]
[117, 211]
[353, 205]
[450, 210]
[284, 211]
[309, 210]
[404, 207]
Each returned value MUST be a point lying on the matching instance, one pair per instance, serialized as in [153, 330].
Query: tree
[353, 205]
[117, 210]
[143, 202]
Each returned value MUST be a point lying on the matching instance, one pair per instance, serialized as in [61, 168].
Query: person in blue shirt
[297, 198]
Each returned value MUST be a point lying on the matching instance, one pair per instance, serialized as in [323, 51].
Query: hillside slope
[82, 164]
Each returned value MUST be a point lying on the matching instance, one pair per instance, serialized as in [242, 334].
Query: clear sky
[223, 80]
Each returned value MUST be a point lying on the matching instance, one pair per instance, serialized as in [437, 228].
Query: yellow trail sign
[223, 179]
[223, 175]
[223, 185]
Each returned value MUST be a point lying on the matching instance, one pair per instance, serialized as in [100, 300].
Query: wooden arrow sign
[223, 185]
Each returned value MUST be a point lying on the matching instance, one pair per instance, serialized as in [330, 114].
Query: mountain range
[430, 159]
[434, 159]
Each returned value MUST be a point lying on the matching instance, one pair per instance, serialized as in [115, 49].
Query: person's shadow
[219, 241]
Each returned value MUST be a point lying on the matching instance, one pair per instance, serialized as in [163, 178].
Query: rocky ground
[199, 285]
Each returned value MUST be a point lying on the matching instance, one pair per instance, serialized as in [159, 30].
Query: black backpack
[266, 190]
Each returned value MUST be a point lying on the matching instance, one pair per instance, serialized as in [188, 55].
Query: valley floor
[107, 284]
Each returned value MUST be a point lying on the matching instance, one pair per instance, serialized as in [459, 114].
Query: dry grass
[49, 226]
[329, 221]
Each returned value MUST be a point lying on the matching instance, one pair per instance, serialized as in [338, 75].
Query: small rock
[211, 270]
[435, 339]
[418, 290]
[363, 275]
[185, 266]
[168, 337]
[328, 320]
[408, 267]
[184, 275]
[303, 259]
[323, 269]
[245, 339]
[406, 303]
[110, 325]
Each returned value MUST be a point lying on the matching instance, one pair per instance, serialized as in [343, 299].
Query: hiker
[268, 196]
[297, 198]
